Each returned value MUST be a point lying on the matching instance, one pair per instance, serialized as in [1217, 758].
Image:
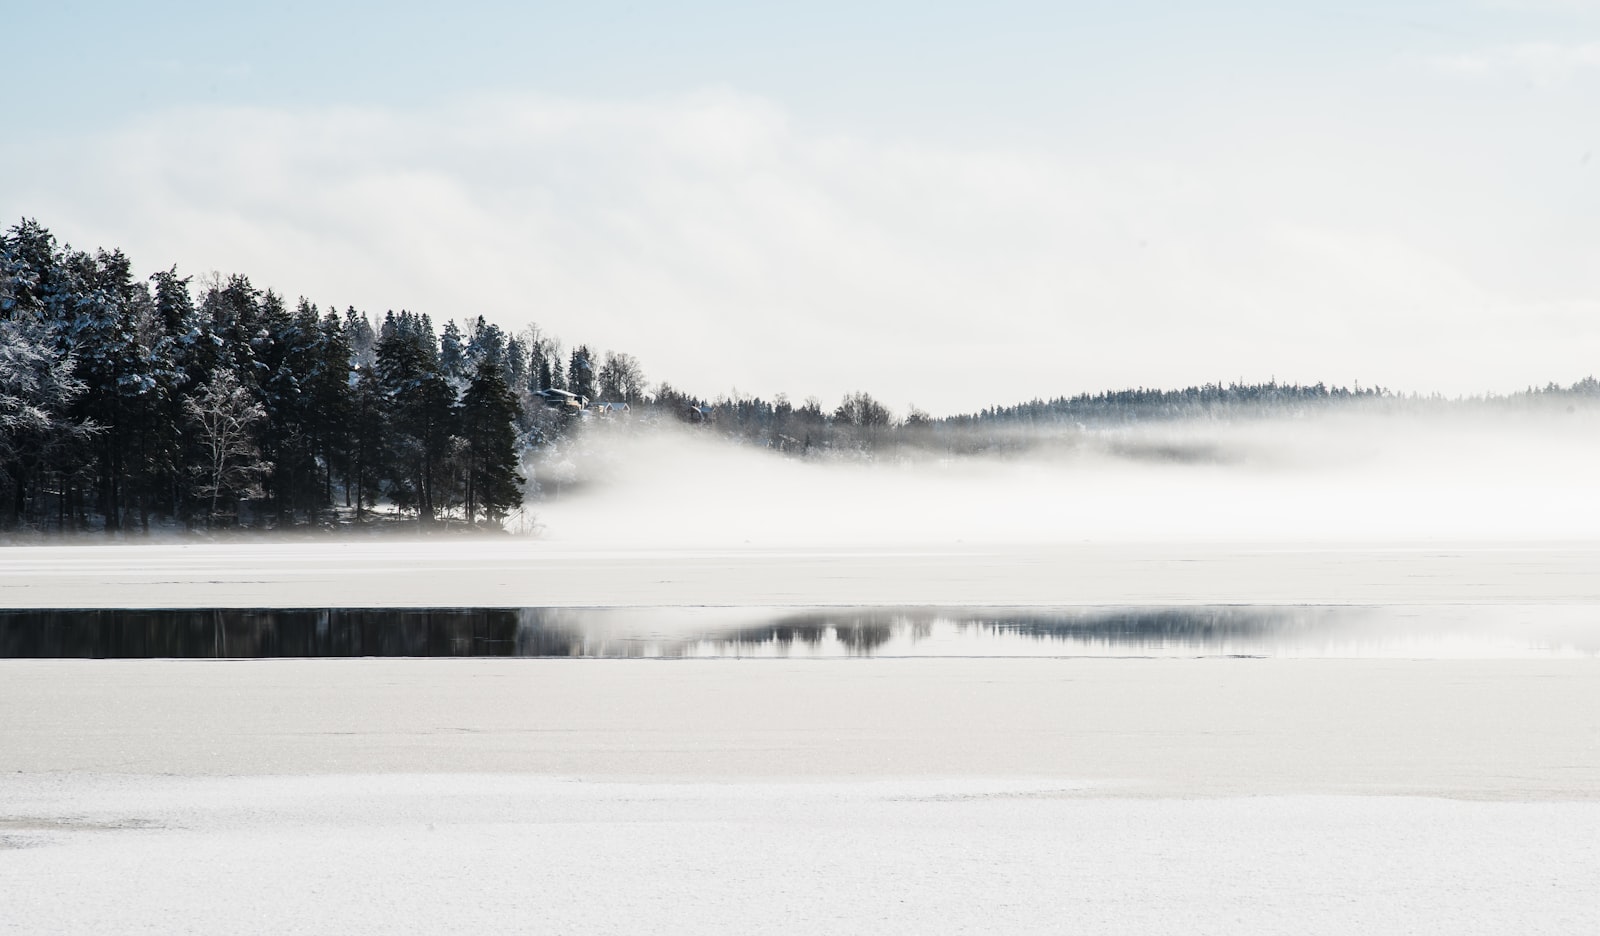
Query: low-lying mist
[1461, 474]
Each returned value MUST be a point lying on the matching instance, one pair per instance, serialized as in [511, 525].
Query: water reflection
[1457, 631]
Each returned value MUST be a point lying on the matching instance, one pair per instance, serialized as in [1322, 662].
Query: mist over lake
[1353, 474]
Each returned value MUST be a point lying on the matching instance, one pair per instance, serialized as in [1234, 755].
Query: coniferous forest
[208, 402]
[128, 403]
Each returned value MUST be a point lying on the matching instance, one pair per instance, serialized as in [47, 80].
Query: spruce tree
[285, 349]
[488, 429]
[452, 352]
[329, 391]
[581, 375]
[421, 413]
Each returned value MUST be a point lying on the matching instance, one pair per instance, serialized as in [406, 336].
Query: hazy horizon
[910, 200]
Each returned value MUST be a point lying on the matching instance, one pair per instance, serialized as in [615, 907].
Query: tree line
[127, 403]
[209, 402]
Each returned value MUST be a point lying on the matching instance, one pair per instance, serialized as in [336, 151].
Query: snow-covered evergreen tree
[486, 343]
[452, 353]
[362, 339]
[37, 389]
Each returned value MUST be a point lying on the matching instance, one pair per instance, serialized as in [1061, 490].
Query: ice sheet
[1482, 729]
[516, 572]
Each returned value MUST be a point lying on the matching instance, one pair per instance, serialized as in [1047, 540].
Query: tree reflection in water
[808, 632]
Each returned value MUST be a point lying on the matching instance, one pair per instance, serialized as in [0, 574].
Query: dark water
[1458, 631]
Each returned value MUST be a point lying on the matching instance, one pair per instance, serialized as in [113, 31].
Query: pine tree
[121, 391]
[452, 352]
[285, 350]
[581, 374]
[359, 335]
[421, 413]
[41, 290]
[197, 355]
[233, 311]
[517, 365]
[366, 442]
[329, 391]
[485, 343]
[488, 428]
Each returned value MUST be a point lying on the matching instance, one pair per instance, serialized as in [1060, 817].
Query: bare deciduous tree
[621, 379]
[224, 419]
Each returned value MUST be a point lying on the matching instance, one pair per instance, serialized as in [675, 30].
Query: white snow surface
[489, 854]
[843, 796]
[522, 572]
[1480, 729]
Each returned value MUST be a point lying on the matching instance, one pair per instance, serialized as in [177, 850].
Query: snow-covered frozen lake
[493, 854]
[852, 795]
[1386, 738]
[517, 572]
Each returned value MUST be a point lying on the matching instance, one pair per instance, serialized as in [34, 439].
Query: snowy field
[488, 854]
[933, 795]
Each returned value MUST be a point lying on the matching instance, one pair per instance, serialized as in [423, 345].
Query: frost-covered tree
[232, 309]
[860, 410]
[32, 275]
[16, 282]
[224, 418]
[362, 339]
[486, 343]
[37, 388]
[115, 334]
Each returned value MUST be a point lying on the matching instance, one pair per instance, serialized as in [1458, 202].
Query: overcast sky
[947, 205]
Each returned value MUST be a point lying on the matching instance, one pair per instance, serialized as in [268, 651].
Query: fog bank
[1341, 476]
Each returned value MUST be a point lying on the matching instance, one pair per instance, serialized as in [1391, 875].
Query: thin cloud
[728, 247]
